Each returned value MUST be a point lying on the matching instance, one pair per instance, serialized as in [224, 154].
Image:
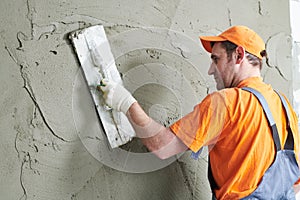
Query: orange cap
[239, 35]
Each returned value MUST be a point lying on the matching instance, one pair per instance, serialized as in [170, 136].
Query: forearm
[157, 138]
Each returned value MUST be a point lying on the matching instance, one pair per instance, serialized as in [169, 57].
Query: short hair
[230, 47]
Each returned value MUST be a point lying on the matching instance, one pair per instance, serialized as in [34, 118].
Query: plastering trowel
[97, 62]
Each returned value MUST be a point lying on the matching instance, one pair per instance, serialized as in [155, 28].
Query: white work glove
[116, 96]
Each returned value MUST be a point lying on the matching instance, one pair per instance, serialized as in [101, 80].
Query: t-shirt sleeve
[204, 124]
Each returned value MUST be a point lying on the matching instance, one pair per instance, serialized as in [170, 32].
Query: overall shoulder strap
[289, 144]
[268, 114]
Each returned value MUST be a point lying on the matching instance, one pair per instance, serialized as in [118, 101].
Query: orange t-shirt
[232, 123]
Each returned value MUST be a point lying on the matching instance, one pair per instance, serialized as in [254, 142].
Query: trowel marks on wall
[97, 62]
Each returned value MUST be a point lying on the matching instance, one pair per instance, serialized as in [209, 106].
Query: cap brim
[206, 40]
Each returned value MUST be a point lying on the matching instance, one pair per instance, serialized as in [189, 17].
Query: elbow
[157, 151]
[165, 152]
[164, 145]
[167, 149]
[161, 155]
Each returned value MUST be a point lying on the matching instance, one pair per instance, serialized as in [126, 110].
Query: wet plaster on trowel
[43, 156]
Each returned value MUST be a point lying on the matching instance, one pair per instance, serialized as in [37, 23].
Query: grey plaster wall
[42, 156]
[295, 29]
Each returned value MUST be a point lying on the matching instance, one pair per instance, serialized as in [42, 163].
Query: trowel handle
[101, 83]
[106, 107]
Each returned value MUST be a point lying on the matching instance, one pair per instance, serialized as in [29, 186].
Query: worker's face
[221, 67]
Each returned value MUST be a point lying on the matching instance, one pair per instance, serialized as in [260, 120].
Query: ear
[240, 54]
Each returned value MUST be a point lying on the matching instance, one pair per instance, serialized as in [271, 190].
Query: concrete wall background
[42, 156]
[294, 8]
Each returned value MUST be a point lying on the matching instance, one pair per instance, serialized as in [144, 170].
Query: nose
[211, 69]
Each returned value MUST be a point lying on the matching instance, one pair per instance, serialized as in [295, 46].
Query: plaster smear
[157, 50]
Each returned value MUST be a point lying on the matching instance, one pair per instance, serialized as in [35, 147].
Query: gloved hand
[116, 96]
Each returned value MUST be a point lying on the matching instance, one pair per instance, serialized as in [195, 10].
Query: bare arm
[157, 138]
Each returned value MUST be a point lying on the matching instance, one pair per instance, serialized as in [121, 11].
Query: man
[246, 130]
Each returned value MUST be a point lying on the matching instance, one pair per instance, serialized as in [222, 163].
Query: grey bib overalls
[277, 182]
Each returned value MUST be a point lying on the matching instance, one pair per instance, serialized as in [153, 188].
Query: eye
[214, 59]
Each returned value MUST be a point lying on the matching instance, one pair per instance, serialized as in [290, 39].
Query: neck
[245, 71]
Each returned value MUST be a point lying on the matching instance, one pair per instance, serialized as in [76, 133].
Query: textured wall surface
[295, 15]
[157, 50]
